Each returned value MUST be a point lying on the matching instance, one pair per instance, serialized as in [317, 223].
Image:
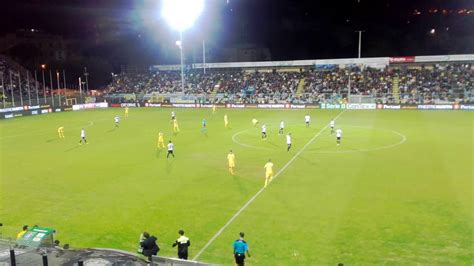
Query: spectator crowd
[438, 83]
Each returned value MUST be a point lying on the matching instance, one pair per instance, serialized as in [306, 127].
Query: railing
[163, 261]
[55, 101]
[445, 97]
[11, 254]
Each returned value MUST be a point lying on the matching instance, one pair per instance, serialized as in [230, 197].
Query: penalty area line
[262, 189]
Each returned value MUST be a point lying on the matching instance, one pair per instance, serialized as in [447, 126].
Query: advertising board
[361, 106]
[435, 106]
[333, 106]
[77, 107]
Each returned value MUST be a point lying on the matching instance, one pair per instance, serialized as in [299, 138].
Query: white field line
[403, 139]
[262, 189]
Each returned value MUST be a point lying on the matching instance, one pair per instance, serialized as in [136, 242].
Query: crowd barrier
[27, 110]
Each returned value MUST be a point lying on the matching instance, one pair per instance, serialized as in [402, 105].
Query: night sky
[291, 29]
[133, 32]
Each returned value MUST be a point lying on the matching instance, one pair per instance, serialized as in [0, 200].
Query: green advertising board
[37, 237]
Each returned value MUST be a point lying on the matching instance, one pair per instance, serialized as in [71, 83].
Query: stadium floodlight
[181, 15]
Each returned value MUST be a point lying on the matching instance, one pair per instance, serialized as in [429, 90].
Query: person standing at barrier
[240, 248]
[150, 247]
[183, 243]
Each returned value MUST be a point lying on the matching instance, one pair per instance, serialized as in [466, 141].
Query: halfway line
[261, 190]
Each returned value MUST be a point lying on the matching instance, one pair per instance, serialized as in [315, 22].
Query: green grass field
[398, 191]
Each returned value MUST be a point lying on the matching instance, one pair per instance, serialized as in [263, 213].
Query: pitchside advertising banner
[124, 105]
[77, 107]
[27, 110]
[426, 106]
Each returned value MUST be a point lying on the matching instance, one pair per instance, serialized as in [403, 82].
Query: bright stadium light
[181, 15]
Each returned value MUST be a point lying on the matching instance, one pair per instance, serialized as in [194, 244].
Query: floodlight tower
[181, 15]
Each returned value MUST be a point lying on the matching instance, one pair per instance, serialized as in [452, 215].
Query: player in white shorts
[331, 124]
[288, 141]
[264, 132]
[282, 127]
[338, 136]
[170, 149]
[83, 137]
[117, 121]
[307, 120]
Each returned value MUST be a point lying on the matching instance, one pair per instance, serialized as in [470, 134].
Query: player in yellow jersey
[161, 141]
[226, 121]
[268, 172]
[213, 109]
[126, 111]
[231, 162]
[61, 132]
[254, 122]
[175, 126]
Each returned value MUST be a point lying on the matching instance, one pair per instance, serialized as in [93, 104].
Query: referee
[240, 248]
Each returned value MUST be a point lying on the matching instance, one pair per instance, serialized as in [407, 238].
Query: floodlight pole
[36, 88]
[182, 59]
[59, 90]
[360, 42]
[204, 55]
[19, 85]
[52, 87]
[349, 89]
[28, 86]
[44, 85]
[3, 91]
[11, 88]
[65, 90]
[86, 74]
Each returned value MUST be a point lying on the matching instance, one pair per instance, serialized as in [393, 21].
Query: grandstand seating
[407, 84]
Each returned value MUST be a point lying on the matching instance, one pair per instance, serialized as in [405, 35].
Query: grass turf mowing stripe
[262, 189]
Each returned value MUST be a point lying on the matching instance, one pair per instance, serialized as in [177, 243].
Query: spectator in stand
[183, 243]
[440, 83]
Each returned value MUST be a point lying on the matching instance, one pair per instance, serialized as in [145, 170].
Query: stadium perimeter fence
[465, 95]
[164, 261]
[11, 254]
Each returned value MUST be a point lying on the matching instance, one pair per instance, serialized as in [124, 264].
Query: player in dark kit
[183, 243]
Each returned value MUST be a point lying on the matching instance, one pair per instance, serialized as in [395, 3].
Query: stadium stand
[19, 76]
[431, 83]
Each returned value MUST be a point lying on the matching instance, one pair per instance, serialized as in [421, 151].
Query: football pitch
[397, 191]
